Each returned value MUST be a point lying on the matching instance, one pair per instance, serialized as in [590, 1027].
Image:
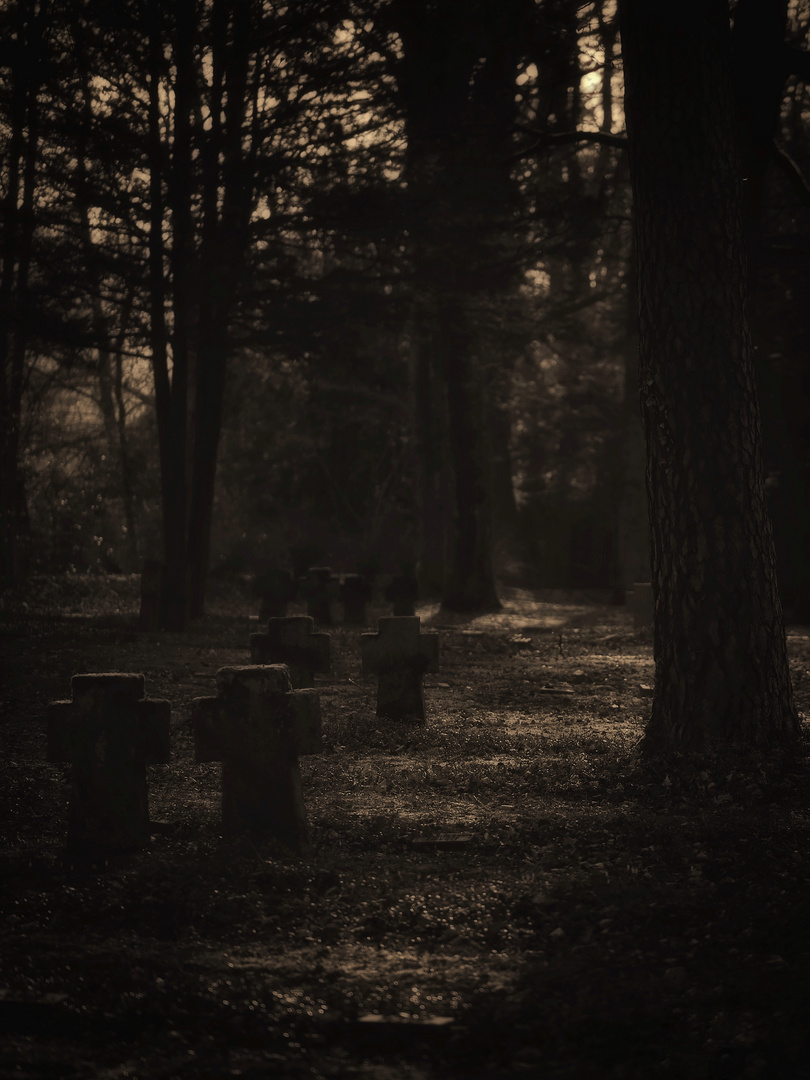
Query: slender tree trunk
[171, 390]
[127, 479]
[108, 354]
[11, 381]
[181, 260]
[17, 252]
[508, 555]
[211, 367]
[224, 245]
[469, 578]
[430, 472]
[721, 665]
[633, 525]
[457, 85]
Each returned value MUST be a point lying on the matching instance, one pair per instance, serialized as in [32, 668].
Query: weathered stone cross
[110, 733]
[399, 655]
[257, 727]
[293, 642]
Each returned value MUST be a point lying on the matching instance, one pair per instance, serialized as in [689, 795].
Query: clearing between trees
[512, 866]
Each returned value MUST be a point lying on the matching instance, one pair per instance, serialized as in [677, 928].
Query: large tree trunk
[721, 665]
[762, 63]
[225, 239]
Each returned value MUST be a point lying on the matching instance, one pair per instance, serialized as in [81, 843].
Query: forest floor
[589, 915]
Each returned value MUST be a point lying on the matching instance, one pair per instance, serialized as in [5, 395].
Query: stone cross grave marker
[319, 589]
[355, 594]
[293, 642]
[257, 727]
[110, 733]
[399, 655]
[276, 589]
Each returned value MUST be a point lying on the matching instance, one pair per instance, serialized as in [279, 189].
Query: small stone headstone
[319, 589]
[293, 642]
[276, 589]
[399, 655]
[110, 733]
[355, 593]
[257, 726]
[403, 591]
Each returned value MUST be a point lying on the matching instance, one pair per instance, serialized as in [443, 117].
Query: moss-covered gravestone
[399, 655]
[110, 733]
[257, 727]
[293, 642]
[355, 593]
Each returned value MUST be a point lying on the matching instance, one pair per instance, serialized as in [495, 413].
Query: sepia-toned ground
[589, 915]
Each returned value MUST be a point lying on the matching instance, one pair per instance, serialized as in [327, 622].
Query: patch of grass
[610, 916]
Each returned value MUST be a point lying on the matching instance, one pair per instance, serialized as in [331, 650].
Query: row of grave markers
[399, 654]
[264, 716]
[163, 588]
[321, 589]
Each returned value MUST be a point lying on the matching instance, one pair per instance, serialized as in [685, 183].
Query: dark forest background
[354, 280]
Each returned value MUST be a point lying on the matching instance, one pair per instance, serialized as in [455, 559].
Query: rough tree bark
[721, 666]
[762, 62]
